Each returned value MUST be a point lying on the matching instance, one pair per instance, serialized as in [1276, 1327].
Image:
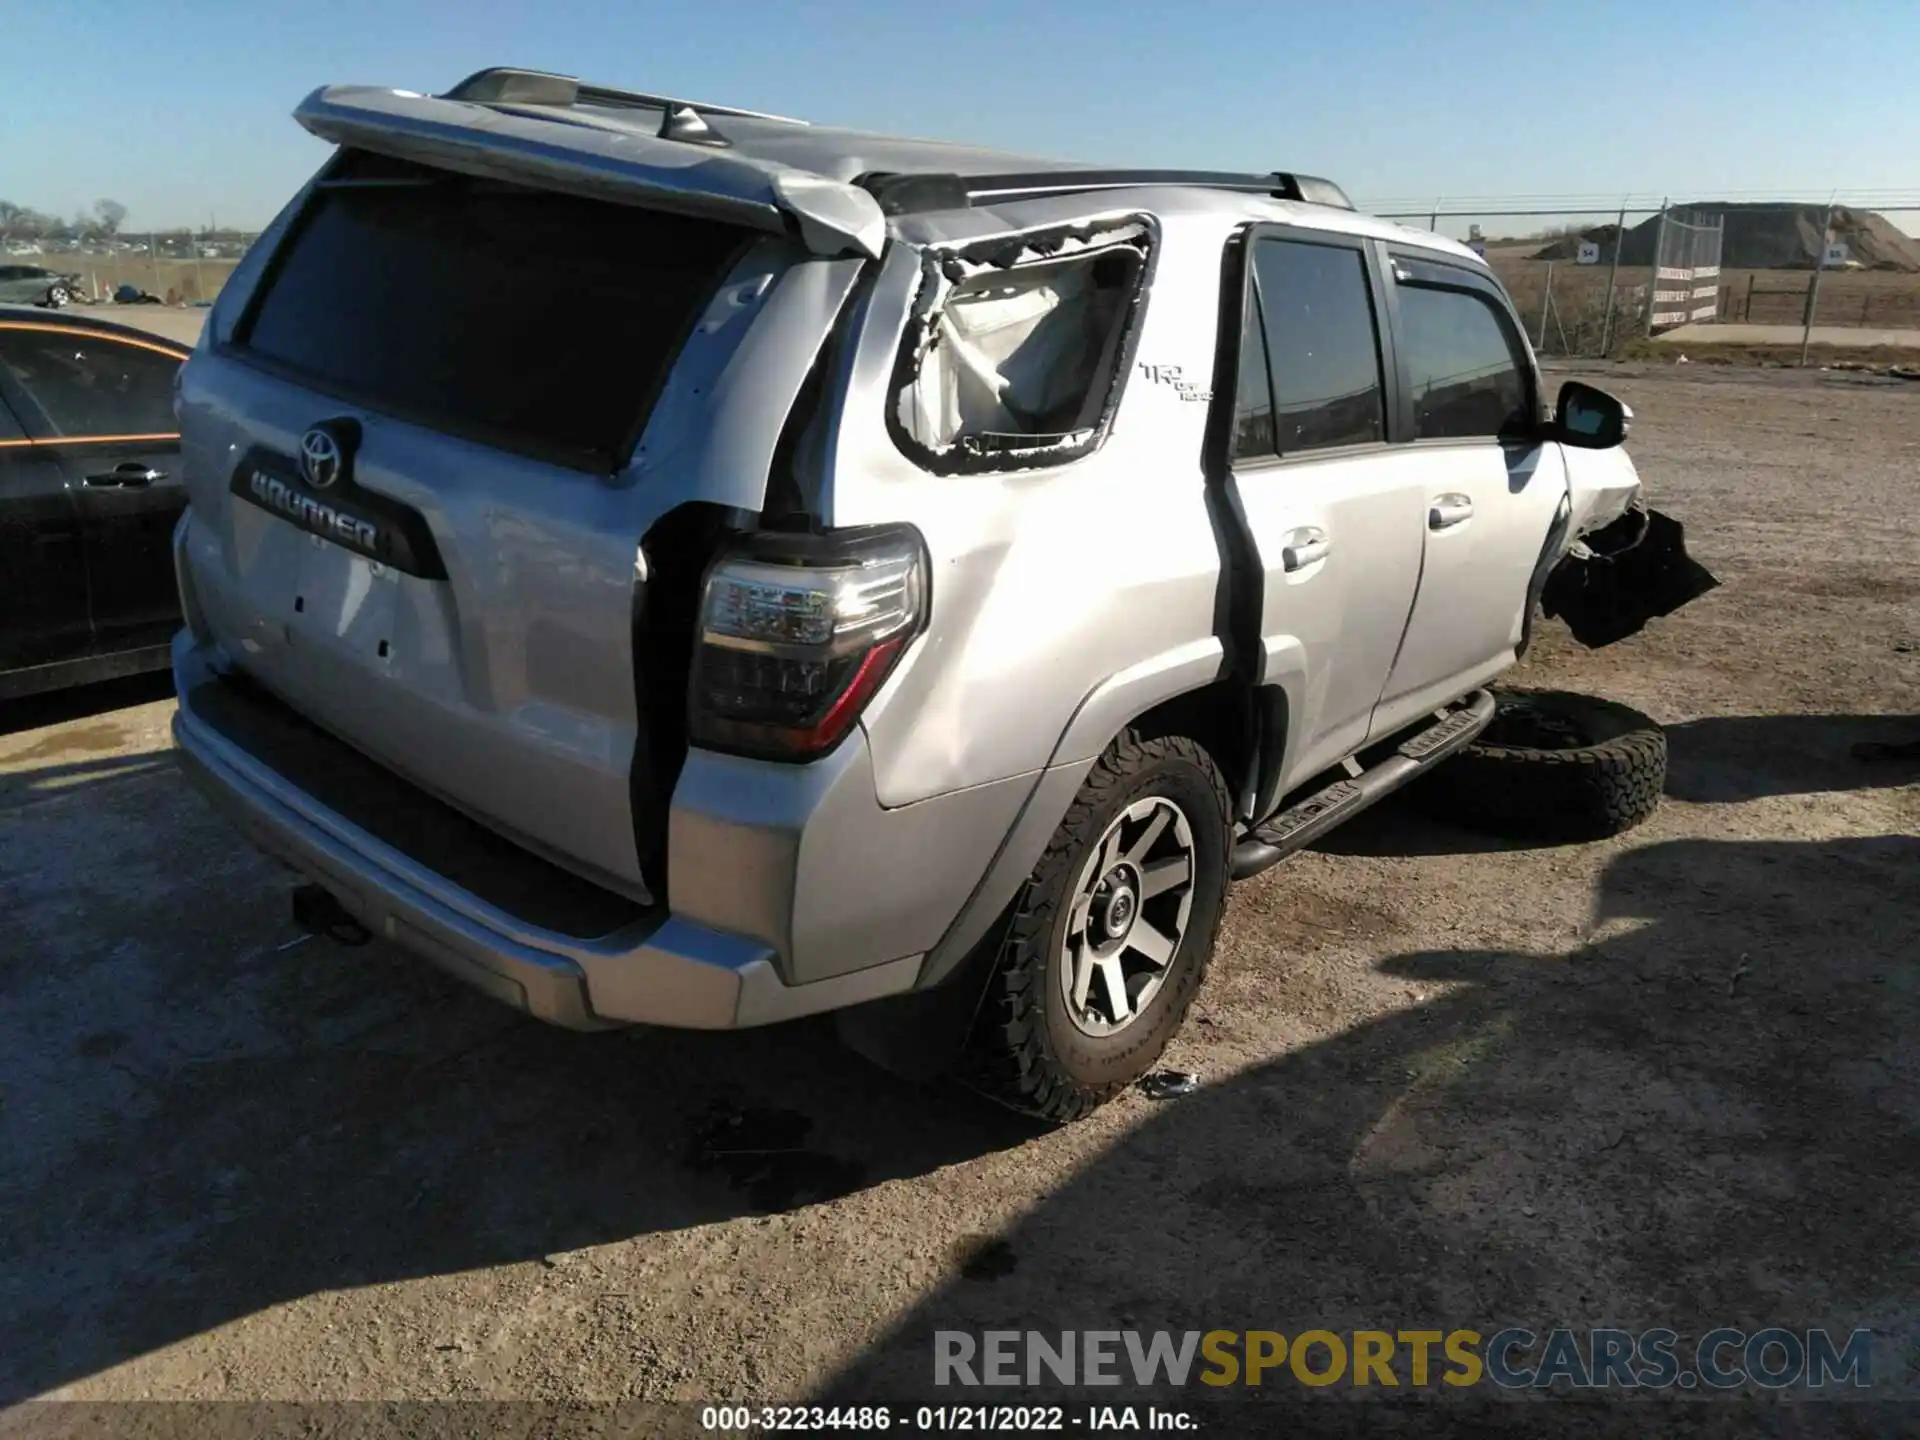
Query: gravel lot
[1669, 1079]
[183, 325]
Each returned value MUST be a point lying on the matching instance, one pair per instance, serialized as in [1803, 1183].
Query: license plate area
[346, 602]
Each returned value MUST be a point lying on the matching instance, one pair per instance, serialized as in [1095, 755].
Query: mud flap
[1621, 576]
[921, 1035]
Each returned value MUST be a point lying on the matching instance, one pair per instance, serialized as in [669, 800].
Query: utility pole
[1546, 306]
[1613, 279]
[1813, 286]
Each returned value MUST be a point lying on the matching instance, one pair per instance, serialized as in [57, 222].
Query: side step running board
[1300, 825]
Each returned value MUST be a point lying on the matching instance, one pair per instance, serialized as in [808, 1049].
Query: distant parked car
[33, 285]
[89, 494]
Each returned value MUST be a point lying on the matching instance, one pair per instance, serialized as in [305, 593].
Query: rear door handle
[1449, 510]
[133, 473]
[1306, 546]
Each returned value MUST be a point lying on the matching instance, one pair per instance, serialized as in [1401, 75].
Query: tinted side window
[87, 385]
[1323, 350]
[1253, 400]
[1466, 375]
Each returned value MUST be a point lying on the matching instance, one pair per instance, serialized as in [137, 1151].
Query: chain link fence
[1590, 288]
[1581, 290]
[178, 267]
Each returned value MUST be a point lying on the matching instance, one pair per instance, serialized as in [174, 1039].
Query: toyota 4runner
[885, 577]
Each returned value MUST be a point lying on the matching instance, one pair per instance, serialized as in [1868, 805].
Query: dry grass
[1861, 298]
[187, 280]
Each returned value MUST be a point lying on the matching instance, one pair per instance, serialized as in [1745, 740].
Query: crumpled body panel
[1617, 578]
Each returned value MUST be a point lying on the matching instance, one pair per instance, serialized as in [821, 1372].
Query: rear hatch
[411, 458]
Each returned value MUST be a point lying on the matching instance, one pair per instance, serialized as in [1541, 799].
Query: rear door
[43, 575]
[103, 406]
[424, 459]
[1492, 488]
[1332, 509]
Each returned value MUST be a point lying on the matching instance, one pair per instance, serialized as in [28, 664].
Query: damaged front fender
[1617, 578]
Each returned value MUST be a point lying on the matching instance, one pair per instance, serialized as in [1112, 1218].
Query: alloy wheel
[1129, 914]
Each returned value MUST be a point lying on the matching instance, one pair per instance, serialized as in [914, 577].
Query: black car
[89, 493]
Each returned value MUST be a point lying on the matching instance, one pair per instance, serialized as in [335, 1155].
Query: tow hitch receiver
[1613, 581]
[318, 913]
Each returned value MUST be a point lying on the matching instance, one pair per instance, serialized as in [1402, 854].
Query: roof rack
[904, 194]
[505, 85]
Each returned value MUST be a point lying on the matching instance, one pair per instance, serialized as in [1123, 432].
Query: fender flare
[919, 1034]
[1106, 710]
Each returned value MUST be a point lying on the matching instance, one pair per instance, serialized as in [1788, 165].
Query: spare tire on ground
[1553, 765]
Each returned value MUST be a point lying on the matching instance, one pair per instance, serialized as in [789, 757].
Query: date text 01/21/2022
[939, 1419]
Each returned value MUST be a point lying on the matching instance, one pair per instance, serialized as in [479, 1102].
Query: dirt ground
[102, 274]
[183, 325]
[1669, 1079]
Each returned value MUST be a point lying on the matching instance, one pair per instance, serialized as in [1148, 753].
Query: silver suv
[666, 563]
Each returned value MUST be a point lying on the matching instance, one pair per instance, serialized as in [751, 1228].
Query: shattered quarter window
[1015, 350]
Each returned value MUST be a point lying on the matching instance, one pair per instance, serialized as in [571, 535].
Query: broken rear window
[1015, 348]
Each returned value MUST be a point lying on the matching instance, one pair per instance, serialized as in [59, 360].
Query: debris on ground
[1168, 1084]
[762, 1154]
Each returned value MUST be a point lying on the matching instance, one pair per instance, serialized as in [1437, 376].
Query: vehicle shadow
[204, 1114]
[1403, 824]
[1724, 759]
[19, 787]
[1709, 1115]
[77, 702]
[1720, 759]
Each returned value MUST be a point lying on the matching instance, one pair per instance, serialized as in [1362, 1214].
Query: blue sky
[181, 110]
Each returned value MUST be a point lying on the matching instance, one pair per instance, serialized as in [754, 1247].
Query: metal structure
[1686, 270]
[1813, 286]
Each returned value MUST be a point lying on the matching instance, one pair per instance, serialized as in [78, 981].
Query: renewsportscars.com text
[1514, 1358]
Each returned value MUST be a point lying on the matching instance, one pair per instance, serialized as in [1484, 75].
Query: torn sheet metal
[1617, 578]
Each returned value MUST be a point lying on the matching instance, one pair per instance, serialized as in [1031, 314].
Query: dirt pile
[1762, 237]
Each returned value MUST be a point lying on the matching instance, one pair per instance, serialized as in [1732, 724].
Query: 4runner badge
[1172, 375]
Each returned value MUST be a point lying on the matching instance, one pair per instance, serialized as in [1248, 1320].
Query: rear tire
[1079, 1006]
[1553, 765]
[58, 297]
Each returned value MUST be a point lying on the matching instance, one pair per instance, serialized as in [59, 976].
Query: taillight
[797, 632]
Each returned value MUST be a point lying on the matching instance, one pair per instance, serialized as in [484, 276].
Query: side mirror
[1589, 418]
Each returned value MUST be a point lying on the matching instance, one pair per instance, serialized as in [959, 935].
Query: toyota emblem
[320, 458]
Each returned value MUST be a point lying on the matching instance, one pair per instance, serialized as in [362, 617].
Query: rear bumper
[655, 968]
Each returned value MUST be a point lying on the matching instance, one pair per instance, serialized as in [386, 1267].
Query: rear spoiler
[625, 165]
